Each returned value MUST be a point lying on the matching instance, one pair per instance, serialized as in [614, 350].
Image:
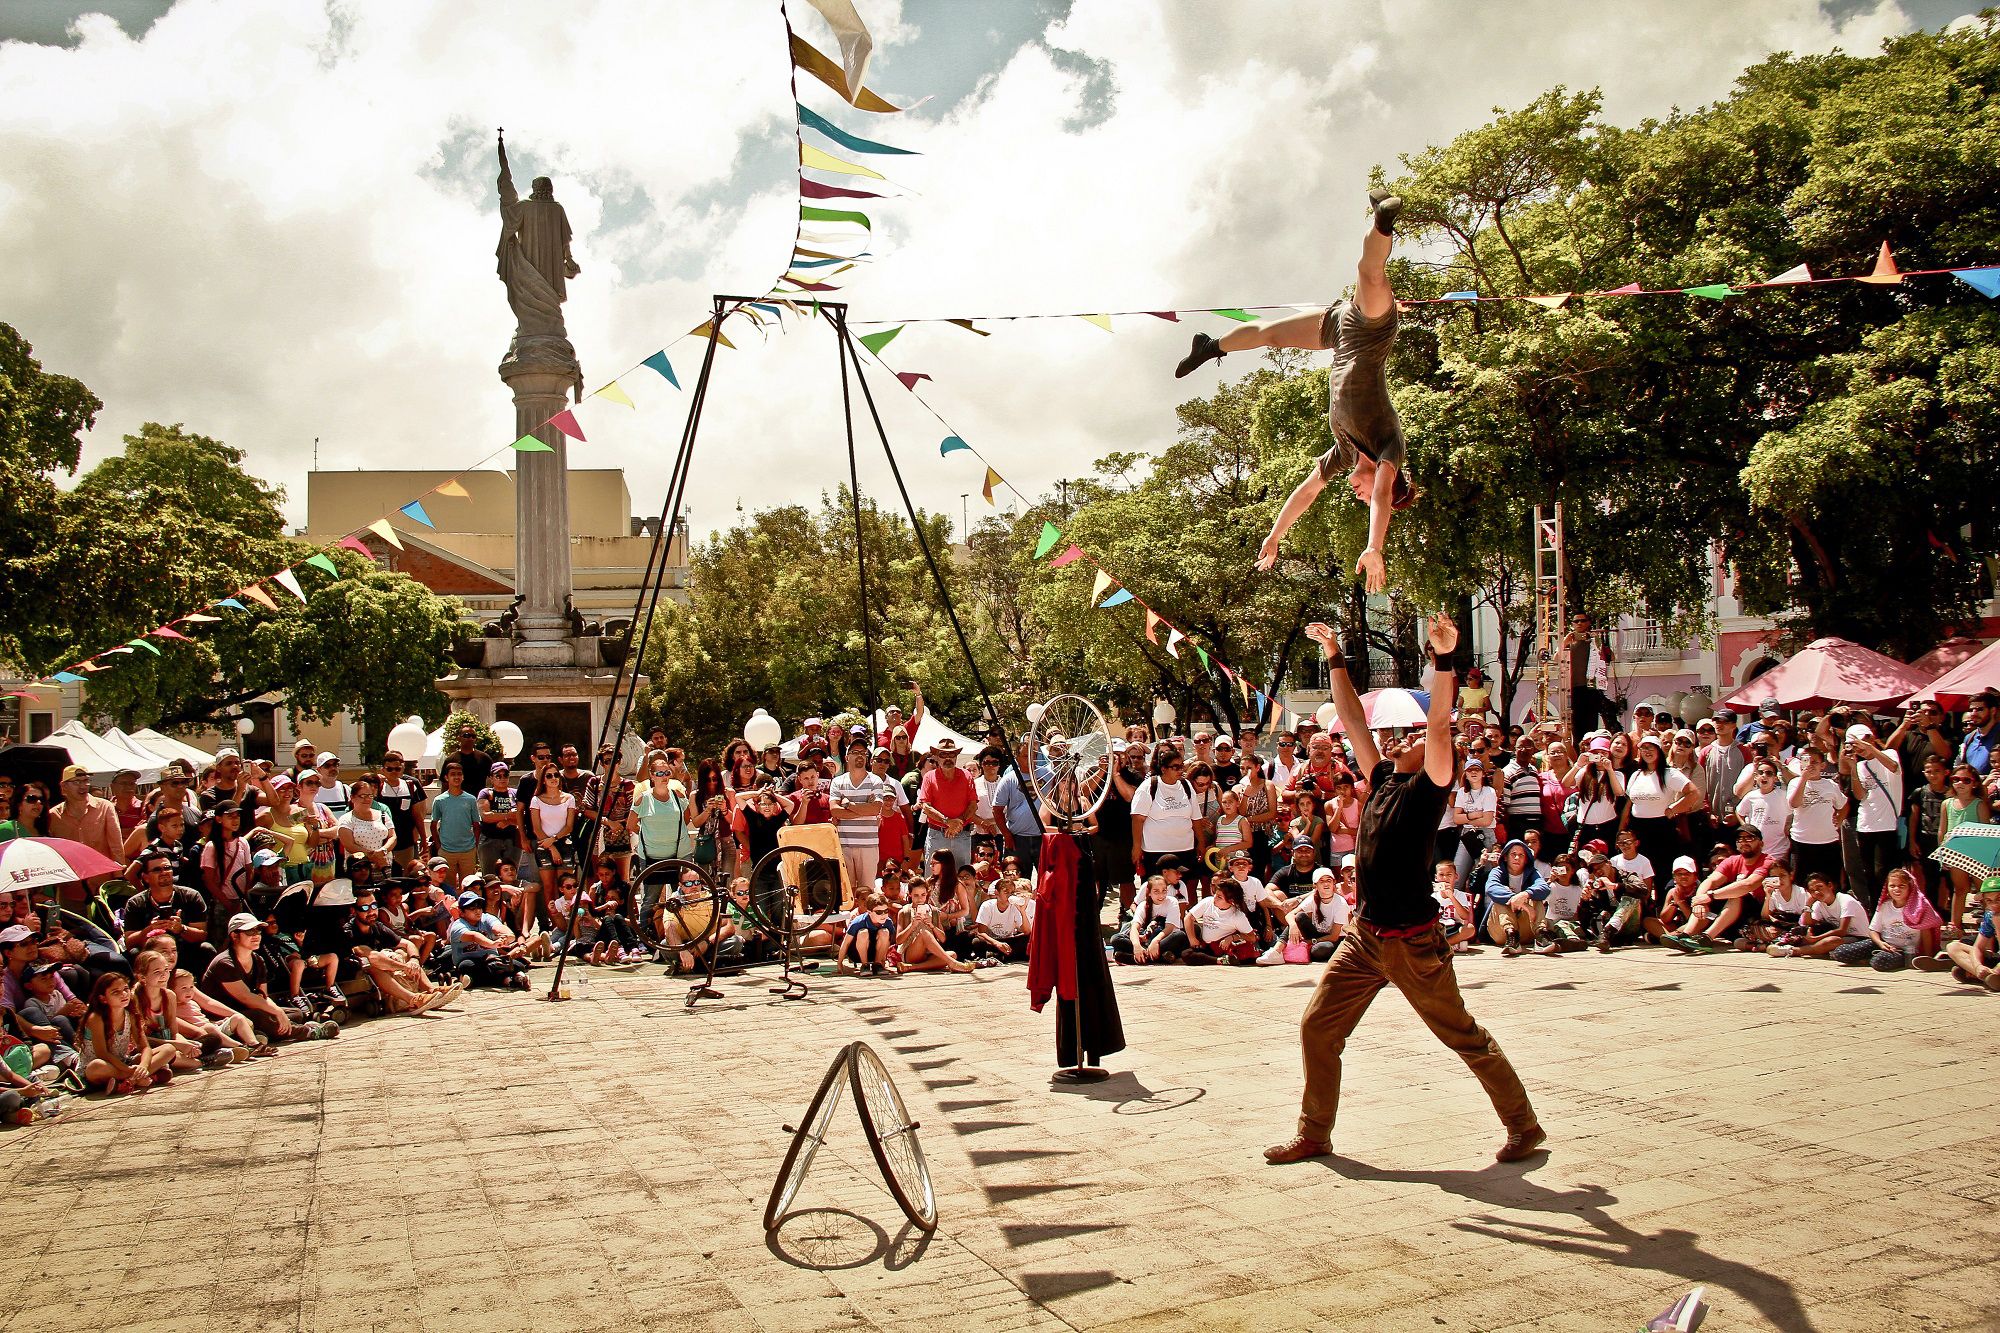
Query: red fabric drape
[1052, 957]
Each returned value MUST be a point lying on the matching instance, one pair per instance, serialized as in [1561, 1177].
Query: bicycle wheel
[793, 890]
[806, 1140]
[695, 906]
[892, 1136]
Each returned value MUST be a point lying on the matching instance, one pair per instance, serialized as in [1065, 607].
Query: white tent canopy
[168, 748]
[929, 732]
[147, 759]
[100, 756]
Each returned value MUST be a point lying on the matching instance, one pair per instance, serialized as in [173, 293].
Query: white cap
[1347, 861]
[1861, 731]
[226, 752]
[326, 757]
[1686, 863]
[1324, 872]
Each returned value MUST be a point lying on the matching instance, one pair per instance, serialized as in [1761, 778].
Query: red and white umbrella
[41, 863]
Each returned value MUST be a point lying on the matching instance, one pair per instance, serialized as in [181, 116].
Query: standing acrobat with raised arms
[1367, 436]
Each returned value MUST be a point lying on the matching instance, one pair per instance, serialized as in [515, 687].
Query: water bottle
[48, 1107]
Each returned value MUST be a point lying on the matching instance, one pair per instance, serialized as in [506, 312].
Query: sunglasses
[32, 799]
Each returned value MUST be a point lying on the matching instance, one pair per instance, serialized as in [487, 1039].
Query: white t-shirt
[1455, 903]
[1771, 815]
[1475, 801]
[1881, 790]
[982, 796]
[1168, 809]
[1254, 891]
[1813, 818]
[550, 816]
[1847, 911]
[1149, 911]
[1792, 906]
[1002, 925]
[1282, 773]
[1564, 899]
[1897, 933]
[1323, 916]
[1640, 865]
[858, 830]
[1209, 920]
[1651, 795]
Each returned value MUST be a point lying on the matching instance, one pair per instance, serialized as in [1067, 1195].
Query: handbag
[1298, 951]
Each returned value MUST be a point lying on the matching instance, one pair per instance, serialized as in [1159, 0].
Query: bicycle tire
[698, 926]
[807, 1138]
[892, 1136]
[794, 910]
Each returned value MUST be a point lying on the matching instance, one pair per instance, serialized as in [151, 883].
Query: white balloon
[510, 738]
[1326, 715]
[762, 731]
[407, 739]
[1034, 713]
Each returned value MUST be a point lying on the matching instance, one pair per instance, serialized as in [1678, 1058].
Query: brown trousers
[1420, 967]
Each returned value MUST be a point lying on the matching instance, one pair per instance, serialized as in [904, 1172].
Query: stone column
[541, 371]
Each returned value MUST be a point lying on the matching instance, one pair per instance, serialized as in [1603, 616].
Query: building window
[39, 727]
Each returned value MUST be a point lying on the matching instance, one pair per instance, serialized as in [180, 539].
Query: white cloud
[275, 224]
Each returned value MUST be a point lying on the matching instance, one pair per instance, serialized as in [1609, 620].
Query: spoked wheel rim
[701, 910]
[793, 889]
[806, 1140]
[1074, 783]
[892, 1136]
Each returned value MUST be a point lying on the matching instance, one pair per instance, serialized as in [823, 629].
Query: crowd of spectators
[260, 905]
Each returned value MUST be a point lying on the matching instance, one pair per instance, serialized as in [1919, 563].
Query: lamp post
[1163, 718]
[762, 731]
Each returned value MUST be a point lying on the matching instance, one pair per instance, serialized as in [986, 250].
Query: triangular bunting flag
[910, 378]
[992, 479]
[121, 648]
[808, 213]
[152, 648]
[813, 121]
[1555, 302]
[1226, 672]
[1885, 271]
[1243, 688]
[1714, 291]
[414, 511]
[611, 393]
[1051, 534]
[168, 632]
[231, 601]
[708, 331]
[528, 444]
[66, 677]
[1985, 281]
[1629, 289]
[197, 618]
[565, 421]
[1459, 296]
[1069, 557]
[257, 594]
[1119, 598]
[952, 444]
[1101, 321]
[318, 560]
[1100, 586]
[805, 286]
[290, 583]
[966, 324]
[1202, 653]
[812, 189]
[815, 160]
[1242, 316]
[356, 545]
[1152, 623]
[1172, 317]
[454, 490]
[1797, 273]
[807, 58]
[1174, 638]
[380, 527]
[93, 666]
[658, 361]
[875, 342]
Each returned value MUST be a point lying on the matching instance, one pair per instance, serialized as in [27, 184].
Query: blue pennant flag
[658, 361]
[1119, 598]
[231, 601]
[66, 676]
[414, 511]
[1985, 281]
[1459, 296]
[832, 131]
[952, 444]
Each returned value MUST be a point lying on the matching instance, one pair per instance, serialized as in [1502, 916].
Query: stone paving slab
[1820, 1147]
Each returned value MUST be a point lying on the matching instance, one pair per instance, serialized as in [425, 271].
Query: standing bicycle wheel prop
[1071, 763]
[885, 1120]
[1069, 748]
[793, 890]
[681, 912]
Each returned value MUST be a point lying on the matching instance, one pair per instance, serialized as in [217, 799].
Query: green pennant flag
[1050, 536]
[141, 643]
[1202, 653]
[321, 562]
[528, 444]
[875, 342]
[808, 213]
[1714, 291]
[1243, 315]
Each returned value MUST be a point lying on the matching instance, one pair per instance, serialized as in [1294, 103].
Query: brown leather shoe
[1299, 1149]
[1522, 1144]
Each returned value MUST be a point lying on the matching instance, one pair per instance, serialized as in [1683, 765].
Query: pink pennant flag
[910, 378]
[1069, 557]
[1152, 620]
[356, 545]
[1629, 289]
[167, 632]
[1226, 671]
[565, 421]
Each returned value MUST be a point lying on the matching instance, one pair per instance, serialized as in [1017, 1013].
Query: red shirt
[908, 726]
[1734, 868]
[948, 791]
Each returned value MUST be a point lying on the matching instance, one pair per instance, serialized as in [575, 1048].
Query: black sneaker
[1203, 349]
[1512, 948]
[1388, 207]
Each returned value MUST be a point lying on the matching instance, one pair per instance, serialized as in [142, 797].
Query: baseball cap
[244, 921]
[75, 771]
[471, 899]
[324, 758]
[497, 767]
[1305, 843]
[1347, 861]
[1645, 708]
[473, 881]
[1861, 731]
[437, 863]
[39, 970]
[1324, 872]
[178, 768]
[1769, 708]
[1223, 742]
[815, 722]
[1597, 858]
[14, 935]
[1722, 715]
[1991, 884]
[227, 752]
[1476, 763]
[266, 857]
[1686, 863]
[1600, 746]
[1597, 846]
[280, 780]
[1239, 856]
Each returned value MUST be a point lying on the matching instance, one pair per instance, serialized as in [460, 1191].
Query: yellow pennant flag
[812, 157]
[992, 479]
[1101, 321]
[611, 393]
[453, 489]
[1099, 588]
[1556, 302]
[380, 527]
[1885, 268]
[708, 330]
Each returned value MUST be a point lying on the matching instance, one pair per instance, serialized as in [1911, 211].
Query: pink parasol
[40, 863]
[1830, 671]
[1956, 687]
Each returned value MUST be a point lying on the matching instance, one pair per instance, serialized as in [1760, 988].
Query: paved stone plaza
[1820, 1146]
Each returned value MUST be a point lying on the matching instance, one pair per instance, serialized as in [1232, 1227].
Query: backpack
[1186, 788]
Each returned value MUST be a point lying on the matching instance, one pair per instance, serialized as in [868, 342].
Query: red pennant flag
[356, 545]
[910, 378]
[565, 421]
[1629, 289]
[1069, 557]
[1152, 619]
[167, 632]
[1168, 315]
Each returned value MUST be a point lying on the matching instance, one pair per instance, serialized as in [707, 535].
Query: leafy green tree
[42, 420]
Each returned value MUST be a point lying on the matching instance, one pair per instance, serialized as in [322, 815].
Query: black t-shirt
[402, 810]
[1227, 775]
[223, 968]
[500, 800]
[1114, 817]
[1392, 852]
[478, 767]
[1294, 882]
[141, 911]
[375, 935]
[762, 832]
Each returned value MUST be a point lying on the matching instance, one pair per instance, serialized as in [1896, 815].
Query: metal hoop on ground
[697, 915]
[892, 1136]
[806, 1139]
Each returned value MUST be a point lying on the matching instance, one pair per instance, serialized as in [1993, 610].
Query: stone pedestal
[558, 704]
[541, 370]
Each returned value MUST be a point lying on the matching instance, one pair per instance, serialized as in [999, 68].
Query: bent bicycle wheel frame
[699, 911]
[793, 890]
[807, 1138]
[892, 1136]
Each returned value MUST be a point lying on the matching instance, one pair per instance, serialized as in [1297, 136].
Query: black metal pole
[868, 692]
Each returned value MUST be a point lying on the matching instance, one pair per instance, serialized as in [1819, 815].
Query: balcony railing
[1645, 643]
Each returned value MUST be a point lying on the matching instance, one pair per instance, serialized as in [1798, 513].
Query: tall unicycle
[1069, 746]
[793, 890]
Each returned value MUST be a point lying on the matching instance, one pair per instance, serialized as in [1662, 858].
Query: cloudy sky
[275, 222]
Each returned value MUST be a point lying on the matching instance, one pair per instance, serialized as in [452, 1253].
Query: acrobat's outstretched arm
[1297, 503]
